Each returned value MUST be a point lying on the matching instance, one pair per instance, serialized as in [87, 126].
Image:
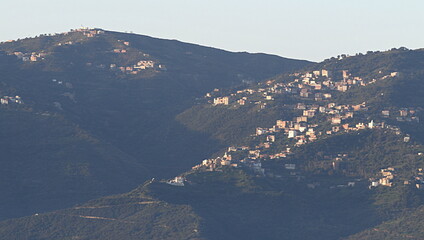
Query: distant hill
[91, 112]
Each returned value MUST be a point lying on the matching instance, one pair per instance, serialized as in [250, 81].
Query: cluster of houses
[177, 181]
[138, 67]
[134, 69]
[316, 85]
[30, 57]
[403, 114]
[88, 32]
[252, 160]
[313, 89]
[387, 176]
[5, 100]
[417, 180]
[221, 100]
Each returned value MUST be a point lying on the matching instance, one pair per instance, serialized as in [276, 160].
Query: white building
[177, 181]
[292, 134]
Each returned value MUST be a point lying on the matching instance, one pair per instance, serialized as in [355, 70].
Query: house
[270, 138]
[385, 182]
[301, 119]
[260, 131]
[325, 73]
[394, 74]
[342, 88]
[304, 94]
[33, 58]
[301, 106]
[292, 134]
[336, 120]
[19, 55]
[232, 149]
[146, 64]
[177, 181]
[221, 100]
[403, 112]
[254, 153]
[241, 101]
[301, 126]
[385, 113]
[327, 95]
[225, 162]
[371, 125]
[290, 166]
[348, 115]
[345, 74]
[280, 123]
[309, 113]
[331, 105]
[284, 124]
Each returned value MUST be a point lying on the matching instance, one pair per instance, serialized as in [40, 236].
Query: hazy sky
[303, 29]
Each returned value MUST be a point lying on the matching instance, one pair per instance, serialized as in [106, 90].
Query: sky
[302, 29]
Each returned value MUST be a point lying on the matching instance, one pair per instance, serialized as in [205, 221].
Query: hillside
[228, 205]
[327, 152]
[408, 226]
[88, 113]
[215, 205]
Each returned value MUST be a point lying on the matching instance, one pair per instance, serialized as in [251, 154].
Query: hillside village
[122, 47]
[318, 118]
[6, 100]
